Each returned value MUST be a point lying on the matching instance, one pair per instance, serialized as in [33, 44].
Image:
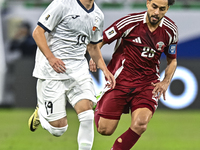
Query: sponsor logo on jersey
[172, 49]
[47, 17]
[137, 40]
[75, 16]
[160, 46]
[110, 33]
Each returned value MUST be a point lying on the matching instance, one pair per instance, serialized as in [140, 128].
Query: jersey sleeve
[115, 31]
[98, 30]
[51, 16]
[171, 49]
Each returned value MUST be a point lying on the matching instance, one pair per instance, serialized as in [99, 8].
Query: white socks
[86, 130]
[53, 130]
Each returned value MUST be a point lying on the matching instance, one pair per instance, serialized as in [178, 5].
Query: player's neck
[87, 3]
[151, 27]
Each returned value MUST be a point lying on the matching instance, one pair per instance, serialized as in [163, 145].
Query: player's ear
[168, 7]
[148, 2]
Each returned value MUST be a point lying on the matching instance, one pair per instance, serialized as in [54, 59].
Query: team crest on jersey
[160, 46]
[110, 33]
[96, 23]
[94, 28]
[47, 17]
[172, 49]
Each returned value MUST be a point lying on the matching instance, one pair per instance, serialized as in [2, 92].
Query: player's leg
[82, 98]
[108, 110]
[143, 107]
[86, 128]
[106, 125]
[56, 128]
[51, 101]
[140, 119]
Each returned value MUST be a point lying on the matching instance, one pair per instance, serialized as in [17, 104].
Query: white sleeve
[98, 30]
[51, 16]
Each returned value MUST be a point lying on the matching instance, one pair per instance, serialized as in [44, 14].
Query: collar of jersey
[88, 11]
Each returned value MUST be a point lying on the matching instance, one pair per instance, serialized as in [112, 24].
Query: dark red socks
[126, 140]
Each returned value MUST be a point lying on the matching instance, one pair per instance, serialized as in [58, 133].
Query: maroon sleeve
[112, 33]
[117, 29]
[171, 49]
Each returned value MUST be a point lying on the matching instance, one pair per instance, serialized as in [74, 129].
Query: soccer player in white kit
[65, 30]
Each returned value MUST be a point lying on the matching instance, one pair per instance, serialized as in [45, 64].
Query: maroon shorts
[116, 101]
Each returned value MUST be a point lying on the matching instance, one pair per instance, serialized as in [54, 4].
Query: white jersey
[71, 27]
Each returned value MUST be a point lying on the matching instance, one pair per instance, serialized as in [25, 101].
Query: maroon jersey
[137, 53]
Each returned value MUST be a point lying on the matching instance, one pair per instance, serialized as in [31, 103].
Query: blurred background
[17, 50]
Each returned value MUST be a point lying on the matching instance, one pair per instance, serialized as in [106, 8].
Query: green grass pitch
[168, 130]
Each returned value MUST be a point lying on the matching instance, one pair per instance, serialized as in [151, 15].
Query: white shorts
[53, 95]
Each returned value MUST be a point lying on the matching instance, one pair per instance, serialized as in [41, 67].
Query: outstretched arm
[40, 39]
[161, 87]
[95, 54]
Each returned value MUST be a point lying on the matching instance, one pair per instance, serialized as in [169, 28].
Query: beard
[153, 22]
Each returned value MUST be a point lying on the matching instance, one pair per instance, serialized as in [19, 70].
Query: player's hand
[160, 88]
[92, 65]
[111, 79]
[57, 64]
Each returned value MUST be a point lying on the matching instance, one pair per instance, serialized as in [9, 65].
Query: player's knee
[143, 127]
[140, 126]
[58, 131]
[104, 130]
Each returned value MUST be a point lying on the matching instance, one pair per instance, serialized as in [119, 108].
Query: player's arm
[111, 34]
[92, 65]
[40, 39]
[95, 54]
[161, 87]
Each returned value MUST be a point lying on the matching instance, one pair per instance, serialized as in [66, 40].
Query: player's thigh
[144, 99]
[112, 104]
[143, 107]
[107, 126]
[51, 99]
[82, 95]
[110, 108]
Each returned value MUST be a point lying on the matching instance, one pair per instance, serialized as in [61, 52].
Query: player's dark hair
[170, 2]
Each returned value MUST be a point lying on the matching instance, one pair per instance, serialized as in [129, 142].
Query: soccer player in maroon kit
[141, 39]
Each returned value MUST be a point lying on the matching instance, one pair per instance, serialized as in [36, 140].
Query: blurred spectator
[22, 45]
[23, 41]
